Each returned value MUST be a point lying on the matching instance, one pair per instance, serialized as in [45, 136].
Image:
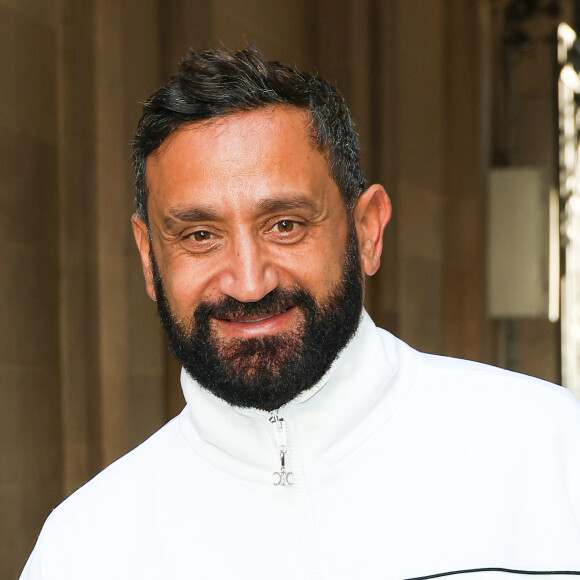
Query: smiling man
[313, 445]
[249, 250]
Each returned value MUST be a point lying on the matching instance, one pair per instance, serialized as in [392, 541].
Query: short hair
[215, 83]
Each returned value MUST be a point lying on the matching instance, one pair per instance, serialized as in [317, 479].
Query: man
[313, 444]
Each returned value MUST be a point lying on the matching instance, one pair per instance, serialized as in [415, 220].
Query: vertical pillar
[420, 141]
[132, 393]
[112, 219]
[467, 144]
[30, 475]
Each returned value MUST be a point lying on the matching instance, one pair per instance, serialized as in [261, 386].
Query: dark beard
[267, 372]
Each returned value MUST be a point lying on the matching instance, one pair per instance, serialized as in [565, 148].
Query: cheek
[319, 268]
[184, 287]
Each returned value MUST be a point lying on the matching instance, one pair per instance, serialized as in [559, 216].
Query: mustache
[276, 300]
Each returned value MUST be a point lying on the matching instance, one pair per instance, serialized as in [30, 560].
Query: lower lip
[250, 328]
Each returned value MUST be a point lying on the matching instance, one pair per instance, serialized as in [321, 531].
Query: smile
[254, 320]
[257, 325]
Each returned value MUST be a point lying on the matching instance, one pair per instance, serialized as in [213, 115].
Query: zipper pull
[281, 477]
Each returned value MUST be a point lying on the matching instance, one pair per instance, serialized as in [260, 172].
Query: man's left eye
[284, 226]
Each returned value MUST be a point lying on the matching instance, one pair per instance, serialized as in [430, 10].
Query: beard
[267, 372]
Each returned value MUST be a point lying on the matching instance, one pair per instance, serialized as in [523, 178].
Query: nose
[248, 273]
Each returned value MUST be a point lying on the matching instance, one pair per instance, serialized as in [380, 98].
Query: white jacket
[403, 464]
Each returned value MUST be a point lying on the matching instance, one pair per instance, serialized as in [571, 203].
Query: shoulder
[463, 385]
[107, 513]
[498, 384]
[123, 484]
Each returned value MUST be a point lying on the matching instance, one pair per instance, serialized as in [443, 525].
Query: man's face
[249, 245]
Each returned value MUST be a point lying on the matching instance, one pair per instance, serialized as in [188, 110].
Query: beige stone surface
[28, 201]
[236, 25]
[42, 12]
[27, 70]
[30, 458]
[29, 305]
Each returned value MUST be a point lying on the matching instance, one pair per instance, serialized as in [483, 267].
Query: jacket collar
[323, 423]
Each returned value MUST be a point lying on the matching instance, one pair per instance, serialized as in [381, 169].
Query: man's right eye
[201, 236]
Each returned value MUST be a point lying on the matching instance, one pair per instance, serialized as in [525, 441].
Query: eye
[284, 226]
[201, 236]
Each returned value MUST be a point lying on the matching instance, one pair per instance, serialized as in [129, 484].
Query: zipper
[282, 477]
[303, 507]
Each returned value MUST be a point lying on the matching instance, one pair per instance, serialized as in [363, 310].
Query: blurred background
[459, 115]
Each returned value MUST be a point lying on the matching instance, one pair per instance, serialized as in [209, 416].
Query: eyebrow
[295, 201]
[189, 214]
[206, 213]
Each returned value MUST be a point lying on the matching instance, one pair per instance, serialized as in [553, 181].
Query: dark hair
[214, 83]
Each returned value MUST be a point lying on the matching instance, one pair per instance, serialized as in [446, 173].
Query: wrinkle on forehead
[223, 123]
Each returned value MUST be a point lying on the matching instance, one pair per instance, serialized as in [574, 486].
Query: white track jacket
[396, 465]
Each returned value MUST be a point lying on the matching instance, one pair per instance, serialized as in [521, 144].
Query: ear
[143, 241]
[371, 214]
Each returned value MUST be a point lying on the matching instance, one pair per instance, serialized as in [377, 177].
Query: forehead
[288, 124]
[239, 156]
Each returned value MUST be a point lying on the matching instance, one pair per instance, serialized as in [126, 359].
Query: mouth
[258, 324]
[254, 319]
